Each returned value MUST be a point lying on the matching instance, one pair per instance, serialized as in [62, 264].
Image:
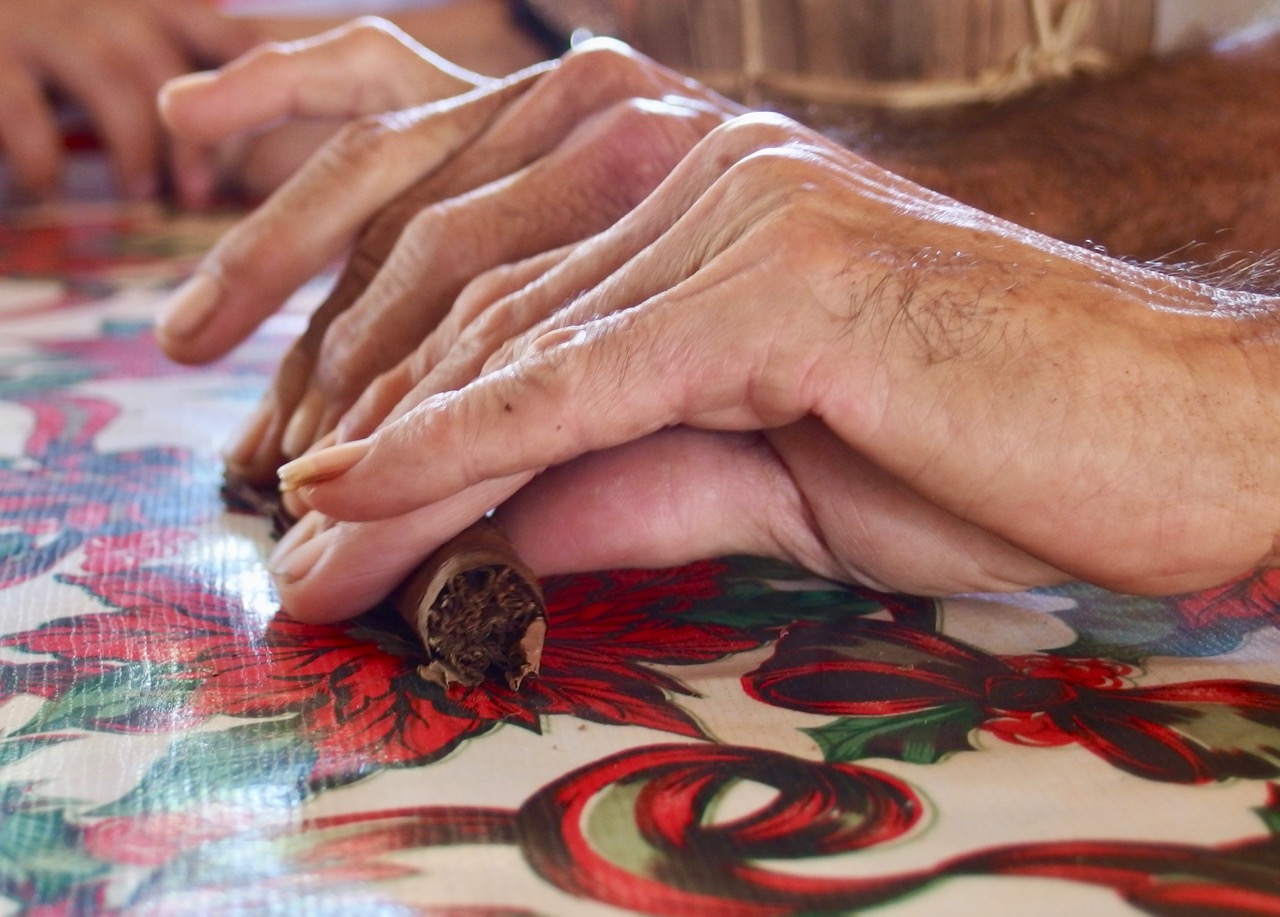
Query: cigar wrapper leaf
[474, 605]
[476, 608]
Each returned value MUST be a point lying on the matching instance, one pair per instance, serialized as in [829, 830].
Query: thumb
[670, 498]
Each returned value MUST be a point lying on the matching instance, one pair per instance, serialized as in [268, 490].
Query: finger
[798, 494]
[678, 496]
[510, 300]
[365, 67]
[633, 261]
[258, 449]
[208, 35]
[153, 53]
[393, 393]
[587, 84]
[693, 358]
[667, 499]
[100, 76]
[598, 173]
[580, 390]
[861, 524]
[28, 134]
[194, 173]
[334, 572]
[249, 272]
[153, 59]
[591, 78]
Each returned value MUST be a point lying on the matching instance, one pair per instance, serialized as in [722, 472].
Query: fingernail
[184, 83]
[314, 467]
[292, 500]
[299, 549]
[190, 306]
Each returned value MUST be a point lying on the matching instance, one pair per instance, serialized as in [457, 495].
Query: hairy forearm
[1178, 156]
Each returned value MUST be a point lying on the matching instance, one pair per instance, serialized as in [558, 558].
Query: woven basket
[908, 54]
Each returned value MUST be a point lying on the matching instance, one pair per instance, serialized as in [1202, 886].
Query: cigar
[244, 496]
[474, 605]
[477, 609]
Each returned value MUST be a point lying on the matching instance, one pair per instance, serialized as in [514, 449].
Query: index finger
[364, 67]
[315, 215]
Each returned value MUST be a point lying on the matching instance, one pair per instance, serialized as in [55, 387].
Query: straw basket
[901, 54]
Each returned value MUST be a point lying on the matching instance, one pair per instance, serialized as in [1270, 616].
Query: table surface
[728, 738]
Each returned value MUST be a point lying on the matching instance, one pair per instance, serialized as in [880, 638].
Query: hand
[786, 350]
[111, 57]
[226, 125]
[429, 196]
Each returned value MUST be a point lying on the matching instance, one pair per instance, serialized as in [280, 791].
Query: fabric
[728, 738]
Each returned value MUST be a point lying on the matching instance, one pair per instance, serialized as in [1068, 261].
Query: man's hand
[221, 120]
[787, 350]
[111, 57]
[429, 197]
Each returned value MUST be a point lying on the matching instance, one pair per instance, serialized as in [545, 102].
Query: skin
[112, 57]
[948, 401]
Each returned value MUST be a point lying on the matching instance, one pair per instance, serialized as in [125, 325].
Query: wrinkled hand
[111, 57]
[480, 174]
[233, 126]
[786, 350]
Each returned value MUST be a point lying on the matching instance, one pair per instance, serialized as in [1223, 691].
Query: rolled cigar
[477, 609]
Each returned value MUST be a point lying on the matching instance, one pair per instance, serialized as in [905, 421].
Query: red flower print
[1252, 598]
[912, 695]
[671, 858]
[108, 553]
[1021, 705]
[353, 691]
[1212, 622]
[62, 493]
[155, 838]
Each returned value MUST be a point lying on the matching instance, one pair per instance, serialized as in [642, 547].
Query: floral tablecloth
[728, 738]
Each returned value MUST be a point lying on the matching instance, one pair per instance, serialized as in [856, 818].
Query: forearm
[1182, 151]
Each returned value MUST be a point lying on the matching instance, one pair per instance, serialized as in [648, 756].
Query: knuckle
[429, 236]
[269, 57]
[608, 64]
[493, 327]
[780, 178]
[535, 348]
[414, 368]
[371, 37]
[627, 149]
[363, 143]
[602, 51]
[373, 31]
[746, 134]
[496, 360]
[483, 289]
[387, 388]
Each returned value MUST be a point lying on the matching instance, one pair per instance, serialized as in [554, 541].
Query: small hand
[111, 57]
